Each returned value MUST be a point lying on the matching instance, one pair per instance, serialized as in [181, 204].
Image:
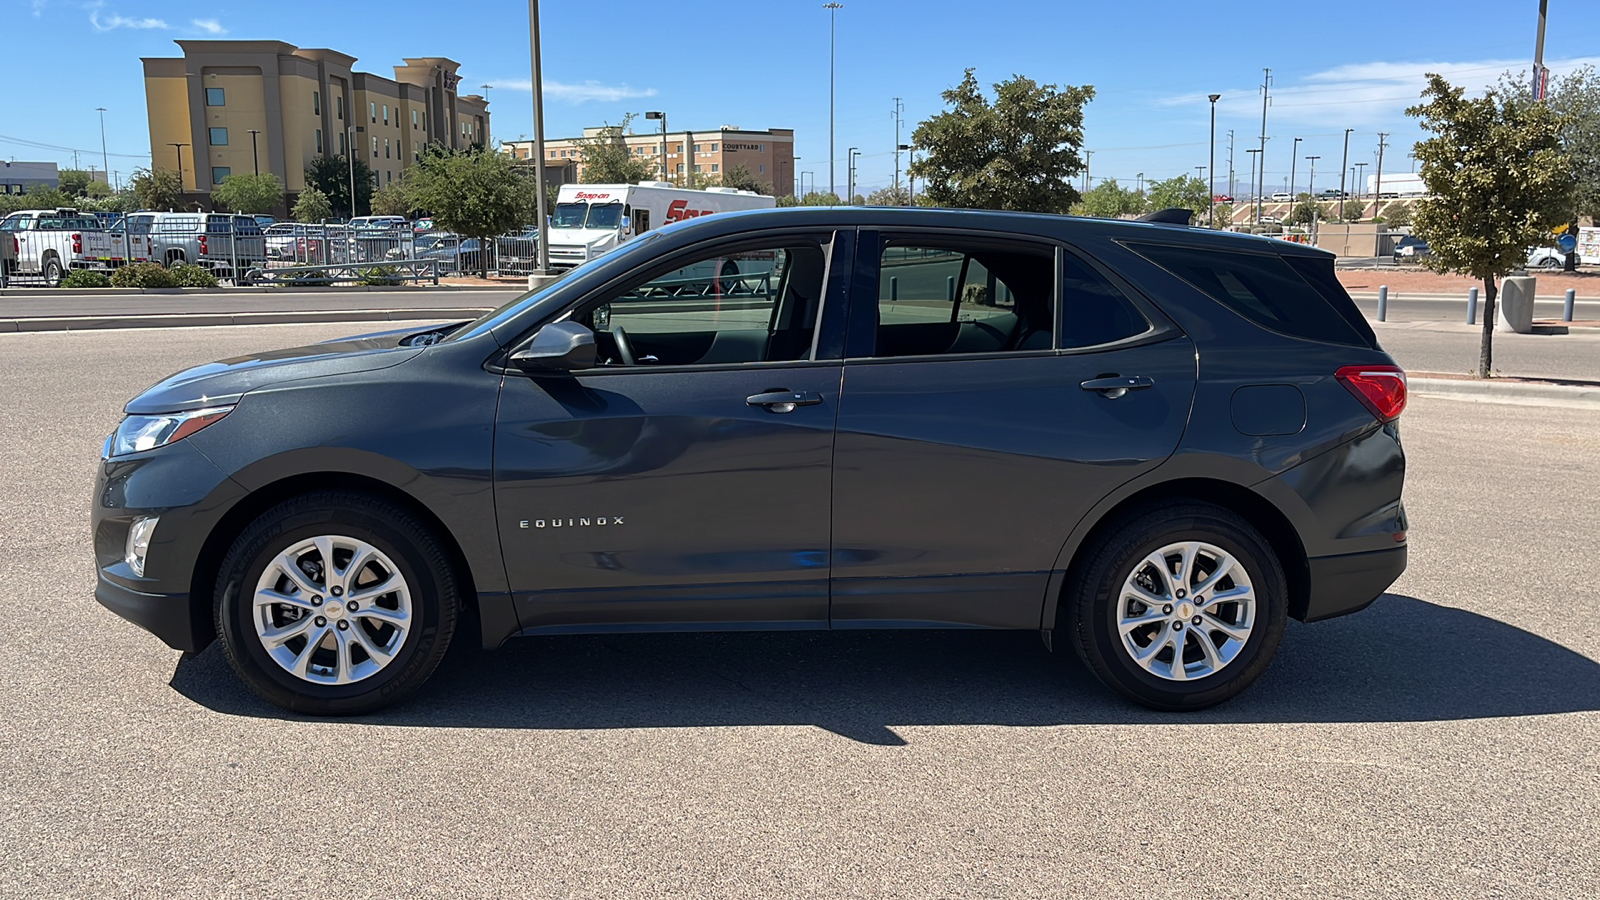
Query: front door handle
[783, 401]
[1113, 386]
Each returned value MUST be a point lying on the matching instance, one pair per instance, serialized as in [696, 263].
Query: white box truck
[591, 220]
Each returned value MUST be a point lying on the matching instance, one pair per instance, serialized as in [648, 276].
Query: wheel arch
[238, 518]
[1274, 525]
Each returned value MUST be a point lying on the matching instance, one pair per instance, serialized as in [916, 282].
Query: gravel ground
[1444, 743]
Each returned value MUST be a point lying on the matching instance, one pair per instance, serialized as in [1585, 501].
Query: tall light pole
[1211, 186]
[1541, 75]
[911, 183]
[1088, 155]
[1360, 185]
[538, 136]
[832, 9]
[488, 139]
[1292, 151]
[899, 109]
[1344, 163]
[1254, 194]
[658, 114]
[850, 176]
[179, 154]
[254, 156]
[1266, 97]
[105, 158]
[352, 131]
[1311, 191]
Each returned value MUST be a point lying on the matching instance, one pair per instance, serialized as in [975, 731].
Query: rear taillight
[77, 244]
[1381, 389]
[202, 245]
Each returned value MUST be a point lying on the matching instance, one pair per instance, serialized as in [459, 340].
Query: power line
[39, 145]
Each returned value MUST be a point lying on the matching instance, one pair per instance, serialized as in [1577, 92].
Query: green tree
[74, 182]
[1354, 210]
[889, 196]
[1575, 98]
[478, 194]
[1308, 210]
[1497, 178]
[1397, 215]
[607, 159]
[1108, 200]
[1020, 152]
[739, 178]
[157, 189]
[312, 205]
[97, 189]
[1180, 192]
[821, 198]
[248, 193]
[331, 176]
[1224, 216]
[788, 200]
[393, 199]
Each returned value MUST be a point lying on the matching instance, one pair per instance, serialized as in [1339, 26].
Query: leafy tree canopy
[1020, 152]
[248, 193]
[331, 176]
[477, 195]
[1108, 200]
[312, 205]
[889, 196]
[1498, 180]
[608, 160]
[157, 189]
[1575, 98]
[1181, 192]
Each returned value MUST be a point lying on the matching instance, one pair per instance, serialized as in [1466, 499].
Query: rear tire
[341, 639]
[52, 272]
[1211, 624]
[174, 258]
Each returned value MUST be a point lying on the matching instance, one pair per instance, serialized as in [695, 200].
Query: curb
[257, 289]
[194, 320]
[1521, 393]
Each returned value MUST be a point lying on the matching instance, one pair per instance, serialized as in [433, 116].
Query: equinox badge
[580, 522]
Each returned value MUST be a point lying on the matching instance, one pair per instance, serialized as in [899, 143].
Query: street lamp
[850, 176]
[1361, 184]
[1311, 192]
[832, 9]
[658, 114]
[105, 158]
[255, 157]
[1211, 186]
[352, 131]
[1254, 193]
[1292, 151]
[911, 184]
[179, 153]
[1087, 156]
[1343, 163]
[543, 245]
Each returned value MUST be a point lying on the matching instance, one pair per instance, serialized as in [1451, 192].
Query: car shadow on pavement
[1402, 660]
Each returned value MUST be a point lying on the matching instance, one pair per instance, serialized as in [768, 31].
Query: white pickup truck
[49, 242]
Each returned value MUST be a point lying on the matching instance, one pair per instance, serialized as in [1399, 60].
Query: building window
[319, 140]
[763, 168]
[219, 137]
[385, 148]
[680, 168]
[680, 148]
[220, 174]
[372, 110]
[697, 168]
[413, 119]
[343, 147]
[388, 176]
[697, 148]
[215, 97]
[374, 147]
[715, 167]
[386, 114]
[316, 103]
[713, 148]
[338, 105]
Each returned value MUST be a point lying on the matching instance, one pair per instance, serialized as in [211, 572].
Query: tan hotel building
[768, 155]
[301, 103]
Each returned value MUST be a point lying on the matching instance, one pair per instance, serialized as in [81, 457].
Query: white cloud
[209, 26]
[38, 7]
[113, 21]
[1375, 93]
[578, 93]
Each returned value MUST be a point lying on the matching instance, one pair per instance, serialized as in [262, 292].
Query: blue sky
[765, 64]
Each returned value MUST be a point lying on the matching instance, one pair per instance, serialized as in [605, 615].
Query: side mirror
[557, 347]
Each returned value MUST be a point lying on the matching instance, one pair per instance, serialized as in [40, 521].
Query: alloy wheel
[1186, 611]
[332, 610]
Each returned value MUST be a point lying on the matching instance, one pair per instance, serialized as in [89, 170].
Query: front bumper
[172, 617]
[1341, 585]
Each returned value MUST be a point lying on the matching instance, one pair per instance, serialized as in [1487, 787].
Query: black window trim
[838, 245]
[1161, 328]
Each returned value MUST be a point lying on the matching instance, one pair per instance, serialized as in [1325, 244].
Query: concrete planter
[1516, 304]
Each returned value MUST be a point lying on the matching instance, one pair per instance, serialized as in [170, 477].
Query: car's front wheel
[336, 603]
[1178, 608]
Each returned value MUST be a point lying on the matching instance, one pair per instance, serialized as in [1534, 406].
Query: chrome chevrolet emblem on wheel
[1183, 641]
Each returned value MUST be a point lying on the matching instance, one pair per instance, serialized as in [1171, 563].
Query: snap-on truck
[591, 220]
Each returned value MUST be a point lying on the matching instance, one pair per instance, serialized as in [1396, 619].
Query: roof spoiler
[1171, 216]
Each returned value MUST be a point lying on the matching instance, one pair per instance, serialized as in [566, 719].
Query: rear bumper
[171, 617]
[1344, 584]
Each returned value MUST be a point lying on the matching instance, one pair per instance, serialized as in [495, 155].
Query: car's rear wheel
[52, 272]
[1178, 608]
[336, 603]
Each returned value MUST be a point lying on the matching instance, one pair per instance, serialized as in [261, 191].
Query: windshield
[555, 292]
[582, 215]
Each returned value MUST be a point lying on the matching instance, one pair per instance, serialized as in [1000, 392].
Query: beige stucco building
[767, 155]
[246, 106]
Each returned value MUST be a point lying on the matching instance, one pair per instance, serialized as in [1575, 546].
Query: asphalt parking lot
[1445, 742]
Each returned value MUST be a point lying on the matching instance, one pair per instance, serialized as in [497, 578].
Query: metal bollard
[1472, 307]
[1566, 307]
[894, 288]
[1383, 303]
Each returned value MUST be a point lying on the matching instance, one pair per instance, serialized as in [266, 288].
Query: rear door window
[1262, 287]
[939, 296]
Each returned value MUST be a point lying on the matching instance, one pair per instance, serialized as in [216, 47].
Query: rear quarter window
[1268, 290]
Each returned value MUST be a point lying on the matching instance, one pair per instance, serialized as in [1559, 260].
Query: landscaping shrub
[380, 275]
[190, 275]
[144, 275]
[84, 278]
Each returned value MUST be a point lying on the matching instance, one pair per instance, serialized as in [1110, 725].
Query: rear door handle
[784, 401]
[1113, 386]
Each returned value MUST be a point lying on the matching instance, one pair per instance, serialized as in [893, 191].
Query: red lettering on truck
[679, 210]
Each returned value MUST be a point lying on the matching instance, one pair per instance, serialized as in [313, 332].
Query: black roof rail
[1172, 216]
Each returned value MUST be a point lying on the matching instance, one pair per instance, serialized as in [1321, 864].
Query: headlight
[138, 433]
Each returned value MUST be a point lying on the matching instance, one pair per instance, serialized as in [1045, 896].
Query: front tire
[1178, 608]
[336, 603]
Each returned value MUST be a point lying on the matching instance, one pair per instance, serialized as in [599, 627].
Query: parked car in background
[1333, 194]
[1411, 248]
[1282, 197]
[1153, 444]
[218, 241]
[283, 238]
[1546, 258]
[1222, 198]
[49, 242]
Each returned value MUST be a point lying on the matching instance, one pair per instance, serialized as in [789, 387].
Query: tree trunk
[1486, 348]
